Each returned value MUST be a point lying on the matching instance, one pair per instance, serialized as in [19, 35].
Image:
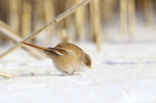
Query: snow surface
[121, 73]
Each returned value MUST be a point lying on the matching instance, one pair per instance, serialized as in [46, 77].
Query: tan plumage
[67, 57]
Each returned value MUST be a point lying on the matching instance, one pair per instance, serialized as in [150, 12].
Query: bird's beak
[90, 67]
[35, 46]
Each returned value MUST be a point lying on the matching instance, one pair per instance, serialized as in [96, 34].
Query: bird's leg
[65, 74]
[6, 75]
[72, 74]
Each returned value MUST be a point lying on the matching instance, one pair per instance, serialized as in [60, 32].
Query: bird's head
[87, 60]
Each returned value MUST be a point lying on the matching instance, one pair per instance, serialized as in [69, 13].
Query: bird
[67, 57]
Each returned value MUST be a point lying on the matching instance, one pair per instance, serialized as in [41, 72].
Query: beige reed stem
[57, 19]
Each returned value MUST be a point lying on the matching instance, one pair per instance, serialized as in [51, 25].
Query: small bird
[68, 58]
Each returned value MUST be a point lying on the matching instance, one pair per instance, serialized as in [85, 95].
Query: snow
[121, 73]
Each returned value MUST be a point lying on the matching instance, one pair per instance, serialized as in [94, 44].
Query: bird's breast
[68, 64]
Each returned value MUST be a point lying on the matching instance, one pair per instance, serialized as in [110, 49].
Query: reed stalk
[14, 36]
[123, 18]
[148, 12]
[79, 19]
[6, 75]
[56, 19]
[14, 10]
[26, 18]
[49, 12]
[131, 17]
[95, 22]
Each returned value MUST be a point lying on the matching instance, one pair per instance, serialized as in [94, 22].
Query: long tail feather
[35, 46]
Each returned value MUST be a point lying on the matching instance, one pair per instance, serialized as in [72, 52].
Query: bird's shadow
[41, 75]
[46, 75]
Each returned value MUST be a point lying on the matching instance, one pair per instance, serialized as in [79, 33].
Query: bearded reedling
[68, 58]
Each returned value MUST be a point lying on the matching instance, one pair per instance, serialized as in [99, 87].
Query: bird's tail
[35, 46]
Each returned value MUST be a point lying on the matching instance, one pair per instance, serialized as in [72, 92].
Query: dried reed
[14, 10]
[123, 18]
[26, 16]
[148, 11]
[131, 17]
[95, 22]
[57, 19]
[6, 75]
[11, 34]
[79, 20]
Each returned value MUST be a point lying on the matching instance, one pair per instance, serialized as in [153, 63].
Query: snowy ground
[121, 73]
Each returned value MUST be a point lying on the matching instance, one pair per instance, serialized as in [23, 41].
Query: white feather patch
[57, 52]
[70, 51]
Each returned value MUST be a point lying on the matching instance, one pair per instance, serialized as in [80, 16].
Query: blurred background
[99, 21]
[124, 30]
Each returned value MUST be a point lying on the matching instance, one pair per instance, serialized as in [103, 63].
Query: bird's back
[68, 47]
